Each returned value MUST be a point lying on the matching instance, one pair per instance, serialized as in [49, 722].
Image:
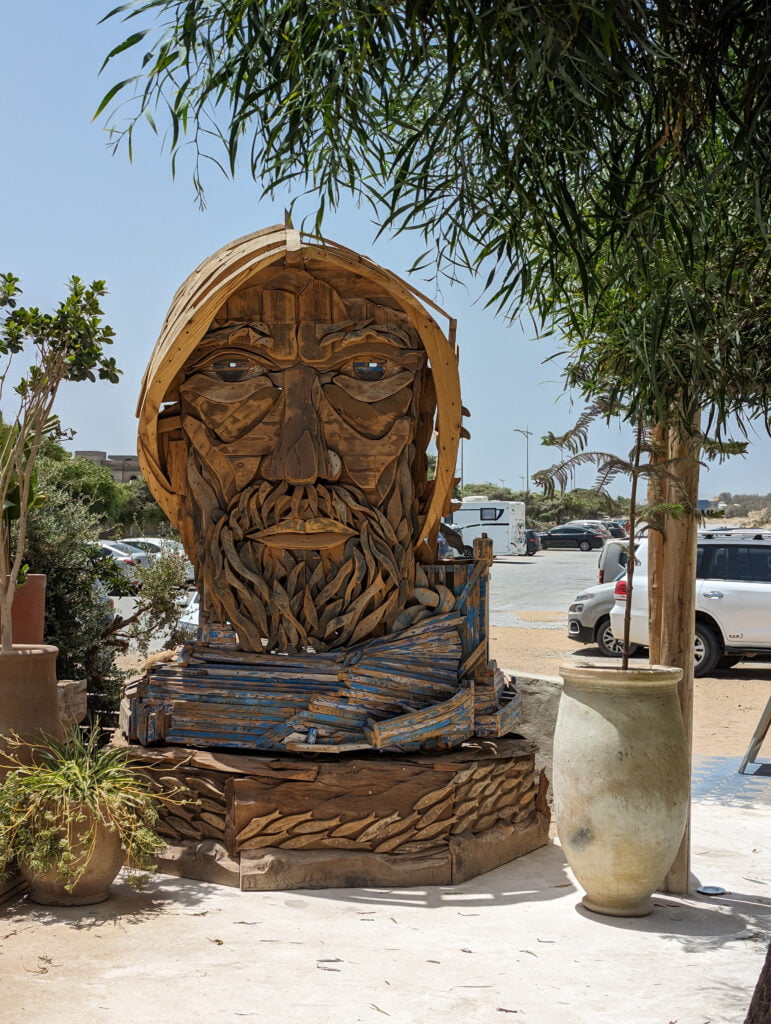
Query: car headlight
[576, 608]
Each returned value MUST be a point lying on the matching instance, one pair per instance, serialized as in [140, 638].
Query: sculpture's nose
[300, 454]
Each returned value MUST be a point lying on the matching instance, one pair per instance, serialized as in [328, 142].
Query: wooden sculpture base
[282, 822]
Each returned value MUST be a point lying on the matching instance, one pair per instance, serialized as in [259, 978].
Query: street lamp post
[527, 434]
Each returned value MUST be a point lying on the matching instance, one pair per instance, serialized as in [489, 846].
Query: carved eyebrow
[251, 337]
[244, 332]
[387, 335]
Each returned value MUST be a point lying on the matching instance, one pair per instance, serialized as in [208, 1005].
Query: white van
[502, 521]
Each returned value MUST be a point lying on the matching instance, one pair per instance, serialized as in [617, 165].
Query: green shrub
[79, 619]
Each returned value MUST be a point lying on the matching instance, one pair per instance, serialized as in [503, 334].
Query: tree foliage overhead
[406, 102]
[556, 146]
[679, 326]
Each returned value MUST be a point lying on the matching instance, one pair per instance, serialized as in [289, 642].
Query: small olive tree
[68, 344]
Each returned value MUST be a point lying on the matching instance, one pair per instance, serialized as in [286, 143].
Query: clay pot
[621, 782]
[29, 700]
[28, 610]
[101, 865]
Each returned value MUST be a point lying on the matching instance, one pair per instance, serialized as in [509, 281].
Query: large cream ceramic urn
[621, 781]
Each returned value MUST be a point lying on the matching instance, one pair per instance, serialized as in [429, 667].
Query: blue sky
[71, 207]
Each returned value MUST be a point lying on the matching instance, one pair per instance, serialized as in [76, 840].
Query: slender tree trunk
[6, 591]
[657, 493]
[678, 605]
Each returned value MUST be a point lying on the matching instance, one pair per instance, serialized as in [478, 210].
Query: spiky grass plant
[50, 810]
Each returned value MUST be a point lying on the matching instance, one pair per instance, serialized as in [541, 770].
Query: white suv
[733, 598]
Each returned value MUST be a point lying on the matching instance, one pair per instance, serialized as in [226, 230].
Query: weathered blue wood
[501, 722]
[454, 714]
[413, 691]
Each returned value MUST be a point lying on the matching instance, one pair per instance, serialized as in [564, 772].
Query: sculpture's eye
[371, 369]
[231, 367]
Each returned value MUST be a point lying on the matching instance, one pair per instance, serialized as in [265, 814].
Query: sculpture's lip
[319, 532]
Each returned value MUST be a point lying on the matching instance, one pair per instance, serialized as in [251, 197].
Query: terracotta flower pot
[621, 782]
[100, 865]
[29, 700]
[28, 610]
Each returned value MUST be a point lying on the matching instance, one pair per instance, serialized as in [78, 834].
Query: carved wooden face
[300, 439]
[304, 402]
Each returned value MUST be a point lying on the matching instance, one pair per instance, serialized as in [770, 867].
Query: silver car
[118, 548]
[589, 620]
[154, 546]
[123, 557]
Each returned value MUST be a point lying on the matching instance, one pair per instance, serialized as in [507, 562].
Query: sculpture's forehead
[313, 293]
[299, 314]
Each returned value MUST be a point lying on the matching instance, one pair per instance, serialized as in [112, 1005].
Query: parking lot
[536, 592]
[547, 581]
[528, 636]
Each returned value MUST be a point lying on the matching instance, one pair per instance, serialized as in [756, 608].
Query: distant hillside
[745, 509]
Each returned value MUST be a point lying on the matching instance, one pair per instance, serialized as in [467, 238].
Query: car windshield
[124, 549]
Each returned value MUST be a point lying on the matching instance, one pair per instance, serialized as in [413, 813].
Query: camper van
[502, 521]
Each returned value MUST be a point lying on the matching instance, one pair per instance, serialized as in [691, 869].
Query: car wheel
[727, 662]
[706, 650]
[609, 644]
[585, 545]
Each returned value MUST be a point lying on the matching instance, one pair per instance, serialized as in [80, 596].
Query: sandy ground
[511, 944]
[727, 706]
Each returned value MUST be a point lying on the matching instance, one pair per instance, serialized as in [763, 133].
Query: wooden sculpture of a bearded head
[284, 425]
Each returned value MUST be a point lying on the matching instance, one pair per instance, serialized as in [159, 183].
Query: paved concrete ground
[510, 945]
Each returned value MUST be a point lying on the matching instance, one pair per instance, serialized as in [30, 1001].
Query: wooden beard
[350, 583]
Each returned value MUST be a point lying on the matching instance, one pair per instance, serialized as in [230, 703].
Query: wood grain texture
[394, 805]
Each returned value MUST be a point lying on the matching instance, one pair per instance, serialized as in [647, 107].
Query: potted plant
[621, 771]
[621, 759]
[73, 816]
[68, 344]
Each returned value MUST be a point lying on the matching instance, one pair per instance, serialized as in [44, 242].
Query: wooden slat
[455, 715]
